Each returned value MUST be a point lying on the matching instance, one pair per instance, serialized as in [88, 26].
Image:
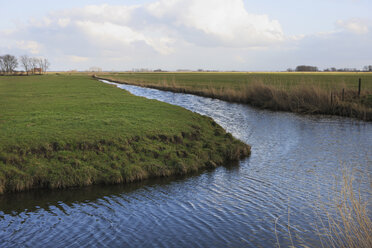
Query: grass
[309, 93]
[344, 222]
[352, 226]
[63, 130]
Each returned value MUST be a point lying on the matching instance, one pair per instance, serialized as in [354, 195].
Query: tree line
[304, 68]
[33, 65]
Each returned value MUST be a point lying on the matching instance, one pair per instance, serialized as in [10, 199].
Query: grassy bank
[59, 131]
[309, 93]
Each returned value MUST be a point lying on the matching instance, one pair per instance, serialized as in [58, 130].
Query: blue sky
[172, 34]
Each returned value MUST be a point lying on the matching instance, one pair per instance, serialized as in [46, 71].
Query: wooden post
[360, 86]
[343, 94]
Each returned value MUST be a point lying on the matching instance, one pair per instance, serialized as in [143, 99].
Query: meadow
[333, 93]
[64, 130]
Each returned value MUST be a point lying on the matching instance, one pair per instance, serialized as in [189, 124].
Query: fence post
[360, 86]
[343, 94]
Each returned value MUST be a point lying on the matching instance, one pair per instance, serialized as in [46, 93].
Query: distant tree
[34, 62]
[2, 65]
[45, 65]
[306, 68]
[8, 63]
[40, 63]
[347, 70]
[367, 68]
[26, 63]
[333, 69]
[289, 70]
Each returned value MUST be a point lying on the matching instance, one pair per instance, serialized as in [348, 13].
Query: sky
[242, 35]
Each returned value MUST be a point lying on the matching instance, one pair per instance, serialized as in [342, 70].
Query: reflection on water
[295, 160]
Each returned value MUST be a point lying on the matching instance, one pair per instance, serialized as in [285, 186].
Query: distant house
[38, 70]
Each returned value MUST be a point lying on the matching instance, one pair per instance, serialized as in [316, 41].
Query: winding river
[296, 164]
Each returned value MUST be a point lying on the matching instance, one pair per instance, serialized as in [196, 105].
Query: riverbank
[292, 159]
[307, 93]
[62, 131]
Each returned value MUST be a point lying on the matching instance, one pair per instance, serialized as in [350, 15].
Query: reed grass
[351, 226]
[343, 222]
[299, 98]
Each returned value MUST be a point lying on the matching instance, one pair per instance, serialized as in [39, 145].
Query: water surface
[294, 165]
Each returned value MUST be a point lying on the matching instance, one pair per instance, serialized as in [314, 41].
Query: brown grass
[306, 99]
[352, 226]
[347, 223]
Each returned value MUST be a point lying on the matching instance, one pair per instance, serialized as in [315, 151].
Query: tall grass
[352, 225]
[301, 98]
[344, 223]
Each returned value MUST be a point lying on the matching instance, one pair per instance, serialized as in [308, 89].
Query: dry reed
[352, 225]
[346, 223]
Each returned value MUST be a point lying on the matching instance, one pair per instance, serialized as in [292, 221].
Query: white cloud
[226, 22]
[163, 26]
[77, 59]
[40, 22]
[162, 23]
[239, 59]
[119, 14]
[108, 33]
[356, 26]
[172, 34]
[63, 22]
[30, 46]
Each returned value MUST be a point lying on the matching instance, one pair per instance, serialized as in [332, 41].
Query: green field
[71, 130]
[308, 93]
[238, 80]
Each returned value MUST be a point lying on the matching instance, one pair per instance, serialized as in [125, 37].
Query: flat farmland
[326, 93]
[238, 80]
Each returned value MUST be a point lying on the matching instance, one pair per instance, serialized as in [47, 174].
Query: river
[294, 168]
